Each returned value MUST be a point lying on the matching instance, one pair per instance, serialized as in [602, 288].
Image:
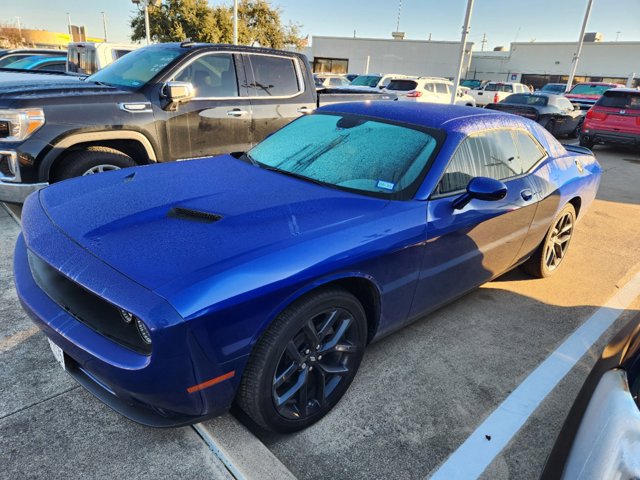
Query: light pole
[104, 25]
[463, 48]
[235, 22]
[145, 4]
[19, 29]
[580, 42]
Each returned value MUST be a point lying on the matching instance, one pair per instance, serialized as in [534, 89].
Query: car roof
[623, 90]
[430, 115]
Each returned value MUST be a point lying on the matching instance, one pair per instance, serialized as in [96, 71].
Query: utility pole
[235, 22]
[69, 25]
[399, 11]
[104, 25]
[618, 35]
[576, 57]
[484, 40]
[463, 47]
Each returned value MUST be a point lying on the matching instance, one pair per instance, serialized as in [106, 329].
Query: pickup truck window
[498, 87]
[349, 152]
[212, 76]
[135, 68]
[272, 76]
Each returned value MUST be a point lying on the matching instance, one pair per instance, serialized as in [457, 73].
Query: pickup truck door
[218, 119]
[278, 92]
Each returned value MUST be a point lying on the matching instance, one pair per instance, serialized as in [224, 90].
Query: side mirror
[481, 188]
[177, 92]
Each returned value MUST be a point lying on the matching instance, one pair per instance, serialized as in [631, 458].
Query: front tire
[304, 362]
[549, 255]
[92, 160]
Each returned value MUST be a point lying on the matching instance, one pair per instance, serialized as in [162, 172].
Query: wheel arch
[577, 203]
[361, 286]
[132, 143]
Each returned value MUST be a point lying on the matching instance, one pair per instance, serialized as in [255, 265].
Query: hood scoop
[194, 215]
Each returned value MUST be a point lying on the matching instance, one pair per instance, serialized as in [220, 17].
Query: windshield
[554, 87]
[136, 68]
[586, 89]
[350, 152]
[623, 100]
[524, 99]
[366, 81]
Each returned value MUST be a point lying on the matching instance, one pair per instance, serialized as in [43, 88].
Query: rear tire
[304, 362]
[549, 255]
[92, 160]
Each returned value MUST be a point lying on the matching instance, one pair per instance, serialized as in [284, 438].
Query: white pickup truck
[493, 92]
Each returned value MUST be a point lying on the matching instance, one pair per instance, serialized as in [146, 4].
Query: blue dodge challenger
[172, 291]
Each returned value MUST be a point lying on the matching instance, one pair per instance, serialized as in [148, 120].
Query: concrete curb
[246, 457]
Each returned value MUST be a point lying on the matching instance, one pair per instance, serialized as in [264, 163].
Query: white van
[85, 58]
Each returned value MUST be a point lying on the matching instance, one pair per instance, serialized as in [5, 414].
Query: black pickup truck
[165, 102]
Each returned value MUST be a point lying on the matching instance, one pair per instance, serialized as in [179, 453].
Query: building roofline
[447, 42]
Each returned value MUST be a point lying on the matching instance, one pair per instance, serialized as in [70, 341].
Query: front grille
[96, 313]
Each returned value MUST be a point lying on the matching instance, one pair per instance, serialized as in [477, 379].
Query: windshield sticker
[385, 185]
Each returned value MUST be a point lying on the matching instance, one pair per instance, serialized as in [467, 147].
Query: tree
[259, 24]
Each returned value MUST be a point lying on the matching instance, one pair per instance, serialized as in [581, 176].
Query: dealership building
[532, 63]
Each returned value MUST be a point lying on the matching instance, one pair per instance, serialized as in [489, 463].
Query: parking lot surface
[418, 396]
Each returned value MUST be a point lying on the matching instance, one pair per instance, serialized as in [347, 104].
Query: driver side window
[490, 154]
[211, 76]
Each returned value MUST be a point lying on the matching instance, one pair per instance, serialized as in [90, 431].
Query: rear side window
[272, 76]
[490, 154]
[622, 100]
[211, 76]
[529, 151]
[442, 88]
[402, 85]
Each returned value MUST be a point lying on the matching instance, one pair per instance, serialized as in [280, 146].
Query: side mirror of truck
[176, 93]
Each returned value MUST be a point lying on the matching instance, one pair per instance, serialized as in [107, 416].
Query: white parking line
[488, 440]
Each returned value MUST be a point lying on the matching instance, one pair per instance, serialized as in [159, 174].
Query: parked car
[374, 81]
[472, 83]
[86, 58]
[172, 291]
[601, 434]
[7, 57]
[587, 94]
[615, 118]
[40, 63]
[493, 92]
[428, 89]
[555, 88]
[554, 112]
[330, 81]
[159, 103]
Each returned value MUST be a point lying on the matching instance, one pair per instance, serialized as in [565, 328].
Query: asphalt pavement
[419, 395]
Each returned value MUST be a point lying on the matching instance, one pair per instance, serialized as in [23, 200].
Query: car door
[429, 93]
[443, 94]
[218, 119]
[277, 92]
[570, 118]
[472, 245]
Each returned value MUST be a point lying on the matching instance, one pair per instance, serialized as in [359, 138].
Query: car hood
[157, 224]
[45, 88]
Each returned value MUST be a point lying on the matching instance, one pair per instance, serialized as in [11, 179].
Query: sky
[503, 21]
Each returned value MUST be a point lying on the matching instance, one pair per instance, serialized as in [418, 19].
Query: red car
[587, 94]
[615, 118]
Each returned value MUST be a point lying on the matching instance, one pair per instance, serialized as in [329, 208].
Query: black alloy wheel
[305, 361]
[552, 251]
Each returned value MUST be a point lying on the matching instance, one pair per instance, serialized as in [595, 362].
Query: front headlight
[16, 125]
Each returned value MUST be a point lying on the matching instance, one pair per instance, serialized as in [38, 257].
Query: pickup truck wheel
[92, 160]
[305, 361]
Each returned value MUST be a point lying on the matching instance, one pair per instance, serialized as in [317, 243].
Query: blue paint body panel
[208, 290]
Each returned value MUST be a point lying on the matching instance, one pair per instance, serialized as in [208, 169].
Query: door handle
[236, 112]
[305, 110]
[526, 194]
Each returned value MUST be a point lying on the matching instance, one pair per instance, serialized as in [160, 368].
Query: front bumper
[12, 190]
[149, 389]
[607, 444]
